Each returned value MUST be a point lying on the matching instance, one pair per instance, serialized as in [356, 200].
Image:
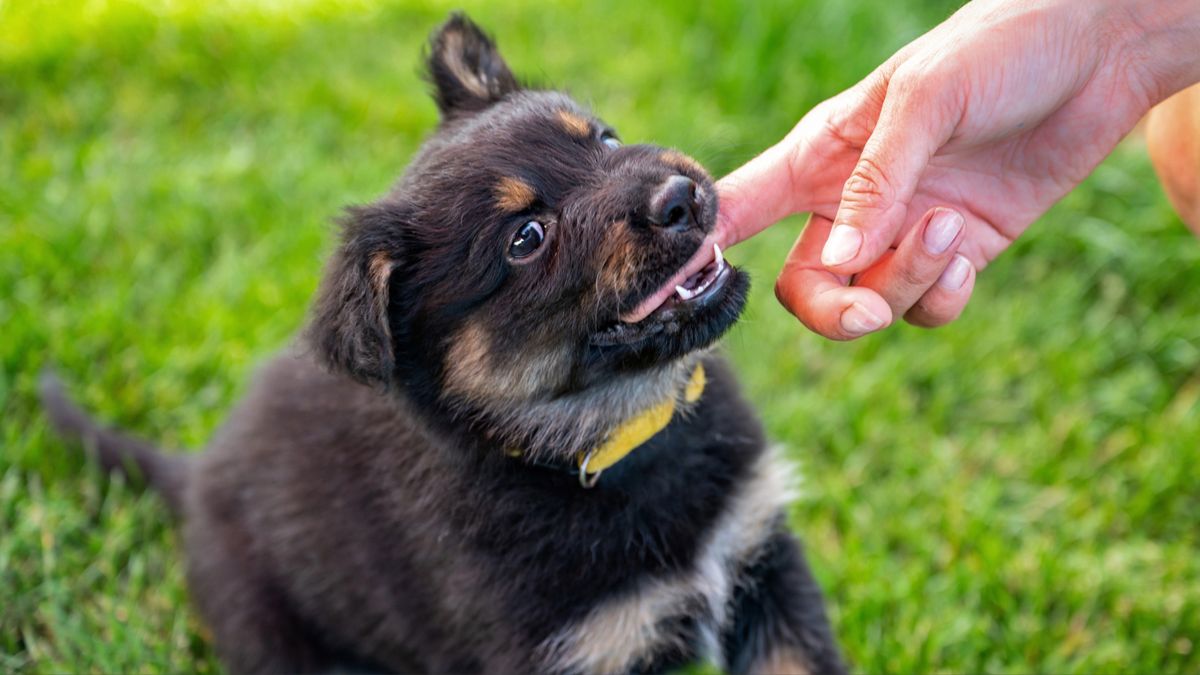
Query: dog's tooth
[717, 254]
[684, 293]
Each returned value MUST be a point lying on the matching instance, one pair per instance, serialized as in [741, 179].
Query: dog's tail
[116, 452]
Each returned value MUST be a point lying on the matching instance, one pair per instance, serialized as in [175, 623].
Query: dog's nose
[674, 205]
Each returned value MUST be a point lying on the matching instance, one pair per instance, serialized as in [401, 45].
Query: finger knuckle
[919, 319]
[931, 312]
[780, 292]
[913, 276]
[921, 77]
[868, 184]
[910, 78]
[785, 296]
[784, 293]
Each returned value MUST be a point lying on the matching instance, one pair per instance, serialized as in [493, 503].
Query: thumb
[912, 126]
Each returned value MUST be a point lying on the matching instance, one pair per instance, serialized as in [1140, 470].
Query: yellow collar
[635, 431]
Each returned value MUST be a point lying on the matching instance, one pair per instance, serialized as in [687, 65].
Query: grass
[1017, 492]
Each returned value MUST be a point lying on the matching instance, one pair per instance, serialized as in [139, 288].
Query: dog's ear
[350, 325]
[467, 71]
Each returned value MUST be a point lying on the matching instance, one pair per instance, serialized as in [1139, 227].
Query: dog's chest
[683, 614]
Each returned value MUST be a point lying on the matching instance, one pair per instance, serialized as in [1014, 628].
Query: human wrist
[1158, 40]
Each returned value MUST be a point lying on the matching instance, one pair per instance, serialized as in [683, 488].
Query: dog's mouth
[694, 295]
[702, 276]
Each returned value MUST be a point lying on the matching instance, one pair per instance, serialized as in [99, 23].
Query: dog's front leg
[779, 625]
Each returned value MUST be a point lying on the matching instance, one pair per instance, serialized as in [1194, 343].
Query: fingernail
[943, 227]
[955, 274]
[857, 320]
[843, 244]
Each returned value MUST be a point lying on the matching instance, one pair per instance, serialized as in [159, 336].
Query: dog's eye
[527, 239]
[610, 139]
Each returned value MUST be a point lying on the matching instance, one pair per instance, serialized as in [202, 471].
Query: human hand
[929, 168]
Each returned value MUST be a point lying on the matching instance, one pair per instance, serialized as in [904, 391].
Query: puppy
[503, 445]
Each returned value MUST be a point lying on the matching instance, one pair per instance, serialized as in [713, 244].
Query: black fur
[351, 324]
[779, 603]
[460, 47]
[362, 507]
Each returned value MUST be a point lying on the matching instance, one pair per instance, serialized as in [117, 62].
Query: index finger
[803, 171]
[757, 194]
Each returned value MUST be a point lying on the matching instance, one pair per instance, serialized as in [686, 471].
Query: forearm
[1163, 40]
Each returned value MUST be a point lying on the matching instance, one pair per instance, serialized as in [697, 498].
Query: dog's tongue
[700, 259]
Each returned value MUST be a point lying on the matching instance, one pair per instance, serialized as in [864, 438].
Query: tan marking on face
[468, 361]
[619, 634]
[514, 194]
[782, 662]
[620, 255]
[476, 373]
[575, 124]
[452, 57]
[683, 162]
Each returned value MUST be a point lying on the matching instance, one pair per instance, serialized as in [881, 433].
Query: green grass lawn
[1017, 492]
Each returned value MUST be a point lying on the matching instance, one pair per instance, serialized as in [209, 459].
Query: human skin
[1173, 141]
[921, 174]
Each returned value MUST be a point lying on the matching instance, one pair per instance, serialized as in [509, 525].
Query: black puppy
[502, 446]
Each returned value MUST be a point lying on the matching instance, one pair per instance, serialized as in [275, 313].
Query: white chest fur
[617, 635]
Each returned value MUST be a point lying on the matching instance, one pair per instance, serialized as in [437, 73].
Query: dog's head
[529, 272]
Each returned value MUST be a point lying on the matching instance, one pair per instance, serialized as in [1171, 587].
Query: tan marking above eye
[682, 162]
[620, 260]
[514, 194]
[575, 124]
